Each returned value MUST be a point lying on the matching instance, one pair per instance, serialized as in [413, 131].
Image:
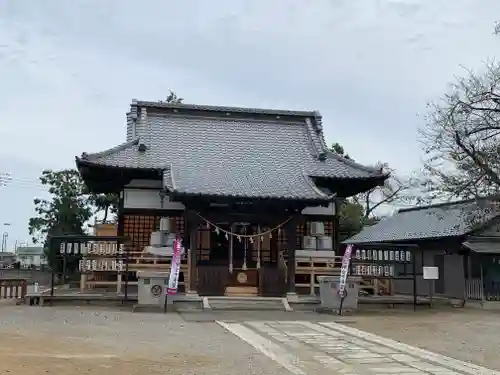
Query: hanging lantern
[239, 238]
[227, 237]
[217, 230]
[270, 234]
[261, 238]
[208, 225]
[251, 239]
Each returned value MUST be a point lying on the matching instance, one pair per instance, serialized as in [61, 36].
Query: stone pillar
[83, 282]
[291, 236]
[119, 283]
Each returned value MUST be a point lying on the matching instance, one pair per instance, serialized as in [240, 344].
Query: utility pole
[5, 236]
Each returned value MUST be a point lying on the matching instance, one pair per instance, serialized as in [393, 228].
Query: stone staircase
[247, 303]
[241, 291]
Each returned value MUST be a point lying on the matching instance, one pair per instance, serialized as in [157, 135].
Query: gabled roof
[427, 222]
[238, 152]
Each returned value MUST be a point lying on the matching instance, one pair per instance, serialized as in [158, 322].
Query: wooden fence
[13, 288]
[474, 289]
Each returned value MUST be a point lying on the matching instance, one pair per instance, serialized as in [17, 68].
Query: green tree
[105, 204]
[67, 209]
[66, 212]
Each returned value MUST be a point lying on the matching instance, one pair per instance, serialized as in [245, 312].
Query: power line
[24, 185]
[6, 180]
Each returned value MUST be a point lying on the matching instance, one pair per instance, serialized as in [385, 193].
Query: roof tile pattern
[446, 220]
[219, 155]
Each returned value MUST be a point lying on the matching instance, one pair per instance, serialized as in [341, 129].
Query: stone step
[243, 291]
[246, 303]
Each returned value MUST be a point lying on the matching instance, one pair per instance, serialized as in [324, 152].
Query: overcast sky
[69, 69]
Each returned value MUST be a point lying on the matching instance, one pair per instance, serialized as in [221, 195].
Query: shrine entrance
[243, 265]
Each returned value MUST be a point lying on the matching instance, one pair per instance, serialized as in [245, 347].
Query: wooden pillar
[291, 236]
[483, 291]
[192, 222]
[120, 231]
[336, 227]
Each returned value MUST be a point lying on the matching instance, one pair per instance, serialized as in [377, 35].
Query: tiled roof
[436, 221]
[255, 153]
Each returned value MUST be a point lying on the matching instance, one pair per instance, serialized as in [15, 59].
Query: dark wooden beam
[192, 221]
[120, 230]
[336, 227]
[291, 236]
[101, 179]
[156, 212]
[238, 205]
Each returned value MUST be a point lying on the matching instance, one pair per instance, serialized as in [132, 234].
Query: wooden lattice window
[139, 228]
[179, 225]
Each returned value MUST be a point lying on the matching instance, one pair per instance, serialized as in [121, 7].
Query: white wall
[27, 261]
[148, 199]
[320, 210]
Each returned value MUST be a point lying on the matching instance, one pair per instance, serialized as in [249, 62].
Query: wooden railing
[474, 289]
[309, 268]
[137, 261]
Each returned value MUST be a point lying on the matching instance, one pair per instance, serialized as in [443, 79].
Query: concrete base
[292, 297]
[483, 305]
[248, 303]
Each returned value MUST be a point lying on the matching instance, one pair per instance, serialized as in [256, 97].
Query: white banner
[344, 271]
[173, 280]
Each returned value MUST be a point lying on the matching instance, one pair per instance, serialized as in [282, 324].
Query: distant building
[30, 256]
[7, 260]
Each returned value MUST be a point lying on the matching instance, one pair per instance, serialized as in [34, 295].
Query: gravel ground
[468, 335]
[96, 340]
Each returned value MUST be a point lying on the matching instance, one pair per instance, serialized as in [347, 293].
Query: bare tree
[395, 191]
[462, 138]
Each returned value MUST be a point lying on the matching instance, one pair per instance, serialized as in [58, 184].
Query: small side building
[7, 259]
[30, 257]
[461, 239]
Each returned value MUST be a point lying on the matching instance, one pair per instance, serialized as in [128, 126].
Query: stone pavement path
[305, 348]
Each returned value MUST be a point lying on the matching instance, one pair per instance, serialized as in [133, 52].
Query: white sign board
[431, 273]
